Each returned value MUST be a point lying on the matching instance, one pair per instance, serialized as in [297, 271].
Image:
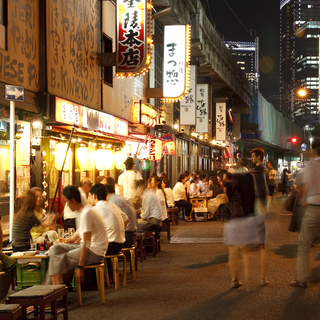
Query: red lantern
[154, 149]
[170, 147]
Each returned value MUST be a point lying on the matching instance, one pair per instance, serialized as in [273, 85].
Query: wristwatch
[81, 267]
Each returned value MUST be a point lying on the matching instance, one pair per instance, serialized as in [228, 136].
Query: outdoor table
[31, 270]
[198, 202]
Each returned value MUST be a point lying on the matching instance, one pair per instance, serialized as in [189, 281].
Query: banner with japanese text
[188, 103]
[202, 108]
[221, 121]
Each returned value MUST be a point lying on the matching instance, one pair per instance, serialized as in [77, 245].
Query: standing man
[7, 265]
[261, 192]
[311, 220]
[93, 246]
[69, 217]
[272, 175]
[127, 178]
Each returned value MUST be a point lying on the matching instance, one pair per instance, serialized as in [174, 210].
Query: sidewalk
[192, 281]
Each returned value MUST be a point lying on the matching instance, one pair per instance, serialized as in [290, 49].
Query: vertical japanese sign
[176, 59]
[133, 37]
[221, 121]
[202, 108]
[188, 103]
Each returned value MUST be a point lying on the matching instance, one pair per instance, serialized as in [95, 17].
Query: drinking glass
[33, 244]
[61, 235]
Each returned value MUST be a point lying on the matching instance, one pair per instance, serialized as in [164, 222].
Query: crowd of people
[107, 220]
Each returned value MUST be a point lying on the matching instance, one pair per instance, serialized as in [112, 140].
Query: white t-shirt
[162, 200]
[169, 197]
[150, 206]
[179, 191]
[194, 188]
[68, 213]
[126, 180]
[311, 177]
[91, 221]
[114, 225]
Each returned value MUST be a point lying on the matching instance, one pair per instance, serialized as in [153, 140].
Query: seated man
[94, 242]
[115, 224]
[8, 266]
[127, 207]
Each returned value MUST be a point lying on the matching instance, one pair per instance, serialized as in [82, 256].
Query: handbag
[289, 204]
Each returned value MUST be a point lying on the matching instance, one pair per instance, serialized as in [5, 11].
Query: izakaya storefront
[80, 143]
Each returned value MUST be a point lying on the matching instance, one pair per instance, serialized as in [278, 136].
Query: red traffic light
[293, 140]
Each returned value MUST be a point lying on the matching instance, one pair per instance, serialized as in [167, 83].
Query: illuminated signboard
[71, 113]
[202, 108]
[176, 60]
[221, 121]
[188, 103]
[144, 113]
[133, 37]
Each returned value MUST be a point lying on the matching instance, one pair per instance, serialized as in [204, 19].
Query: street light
[302, 92]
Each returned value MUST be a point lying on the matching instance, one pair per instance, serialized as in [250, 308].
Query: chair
[10, 311]
[141, 247]
[153, 240]
[115, 267]
[132, 260]
[165, 226]
[100, 282]
[173, 213]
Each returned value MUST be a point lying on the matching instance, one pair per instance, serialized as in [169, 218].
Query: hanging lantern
[119, 158]
[60, 153]
[146, 165]
[100, 156]
[5, 158]
[83, 157]
[154, 149]
[109, 160]
[170, 147]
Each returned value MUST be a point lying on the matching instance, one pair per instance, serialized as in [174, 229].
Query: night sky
[262, 16]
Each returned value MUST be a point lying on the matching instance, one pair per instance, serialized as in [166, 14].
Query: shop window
[107, 71]
[3, 23]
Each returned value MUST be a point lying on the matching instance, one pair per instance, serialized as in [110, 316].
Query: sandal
[236, 284]
[187, 219]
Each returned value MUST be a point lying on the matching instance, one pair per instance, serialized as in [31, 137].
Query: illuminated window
[3, 23]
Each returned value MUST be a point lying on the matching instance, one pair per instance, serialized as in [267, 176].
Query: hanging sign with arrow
[14, 93]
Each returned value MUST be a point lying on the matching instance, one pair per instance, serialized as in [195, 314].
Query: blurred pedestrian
[272, 175]
[311, 220]
[285, 182]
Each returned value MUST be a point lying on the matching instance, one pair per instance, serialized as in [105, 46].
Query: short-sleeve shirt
[126, 180]
[169, 197]
[150, 206]
[91, 221]
[163, 206]
[215, 190]
[179, 191]
[311, 177]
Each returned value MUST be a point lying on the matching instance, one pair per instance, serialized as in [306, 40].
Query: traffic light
[293, 140]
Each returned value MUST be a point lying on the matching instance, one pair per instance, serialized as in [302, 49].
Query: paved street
[192, 281]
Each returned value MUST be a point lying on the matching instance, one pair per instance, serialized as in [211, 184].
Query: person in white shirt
[150, 209]
[70, 218]
[166, 185]
[160, 194]
[202, 185]
[126, 181]
[180, 198]
[92, 249]
[112, 216]
[194, 186]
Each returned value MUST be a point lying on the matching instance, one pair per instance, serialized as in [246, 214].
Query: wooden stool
[132, 260]
[100, 282]
[141, 248]
[10, 311]
[165, 226]
[153, 240]
[40, 296]
[115, 267]
[174, 213]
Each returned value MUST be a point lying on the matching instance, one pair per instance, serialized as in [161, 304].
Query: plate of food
[29, 253]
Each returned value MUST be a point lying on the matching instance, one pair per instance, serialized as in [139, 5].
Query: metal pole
[12, 165]
[61, 172]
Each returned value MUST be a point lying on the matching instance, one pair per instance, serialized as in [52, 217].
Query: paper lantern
[146, 165]
[100, 159]
[83, 157]
[154, 149]
[5, 158]
[170, 148]
[109, 160]
[60, 151]
[119, 159]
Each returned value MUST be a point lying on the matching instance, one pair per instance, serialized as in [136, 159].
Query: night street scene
[159, 159]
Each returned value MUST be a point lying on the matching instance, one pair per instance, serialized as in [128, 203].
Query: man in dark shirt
[227, 184]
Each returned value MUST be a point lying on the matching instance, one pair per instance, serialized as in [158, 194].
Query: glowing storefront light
[60, 153]
[83, 158]
[120, 158]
